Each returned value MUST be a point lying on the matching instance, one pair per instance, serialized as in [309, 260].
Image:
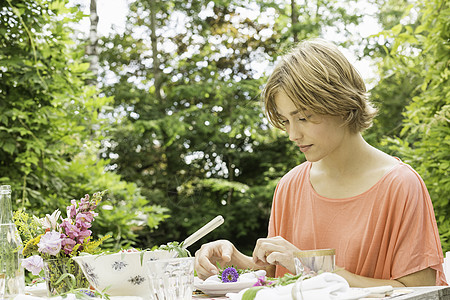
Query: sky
[112, 18]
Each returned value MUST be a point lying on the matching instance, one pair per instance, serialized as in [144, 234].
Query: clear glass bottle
[12, 280]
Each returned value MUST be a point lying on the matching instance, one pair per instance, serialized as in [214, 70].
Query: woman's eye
[284, 122]
[304, 119]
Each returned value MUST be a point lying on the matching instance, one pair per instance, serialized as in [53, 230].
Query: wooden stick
[210, 226]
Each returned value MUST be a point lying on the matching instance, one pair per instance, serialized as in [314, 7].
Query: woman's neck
[352, 155]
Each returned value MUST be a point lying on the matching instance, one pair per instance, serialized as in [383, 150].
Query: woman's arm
[426, 277]
[278, 251]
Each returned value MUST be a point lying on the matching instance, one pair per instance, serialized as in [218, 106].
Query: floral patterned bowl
[120, 274]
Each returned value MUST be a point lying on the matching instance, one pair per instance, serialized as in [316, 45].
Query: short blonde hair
[317, 77]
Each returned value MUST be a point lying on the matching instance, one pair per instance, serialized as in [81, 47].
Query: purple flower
[85, 204]
[230, 275]
[71, 231]
[68, 245]
[34, 264]
[72, 209]
[262, 281]
[83, 220]
[83, 235]
[50, 243]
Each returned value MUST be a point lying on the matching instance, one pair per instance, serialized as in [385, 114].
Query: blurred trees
[50, 128]
[188, 75]
[176, 122]
[419, 53]
[396, 85]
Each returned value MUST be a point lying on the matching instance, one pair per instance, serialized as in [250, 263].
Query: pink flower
[85, 204]
[262, 281]
[72, 210]
[83, 235]
[68, 245]
[70, 230]
[50, 243]
[83, 220]
[34, 264]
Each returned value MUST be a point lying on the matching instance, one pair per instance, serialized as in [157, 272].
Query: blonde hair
[317, 77]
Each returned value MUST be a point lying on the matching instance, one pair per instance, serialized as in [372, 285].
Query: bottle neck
[5, 208]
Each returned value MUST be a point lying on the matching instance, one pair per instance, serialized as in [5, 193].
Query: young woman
[369, 206]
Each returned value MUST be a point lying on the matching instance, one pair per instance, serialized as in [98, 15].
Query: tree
[423, 53]
[50, 128]
[92, 49]
[397, 85]
[202, 146]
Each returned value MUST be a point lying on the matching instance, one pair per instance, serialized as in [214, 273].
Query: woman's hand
[207, 257]
[275, 251]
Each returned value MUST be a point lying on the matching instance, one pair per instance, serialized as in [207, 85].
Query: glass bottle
[12, 280]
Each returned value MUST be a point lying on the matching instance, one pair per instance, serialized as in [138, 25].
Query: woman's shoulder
[403, 178]
[392, 169]
[403, 171]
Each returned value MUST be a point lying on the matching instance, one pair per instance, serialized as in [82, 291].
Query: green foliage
[204, 147]
[52, 123]
[174, 246]
[423, 53]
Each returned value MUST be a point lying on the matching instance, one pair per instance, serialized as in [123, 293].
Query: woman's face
[316, 135]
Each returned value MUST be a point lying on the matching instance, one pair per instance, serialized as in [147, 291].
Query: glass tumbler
[171, 279]
[313, 262]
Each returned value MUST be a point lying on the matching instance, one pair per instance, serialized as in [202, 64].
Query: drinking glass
[313, 262]
[171, 279]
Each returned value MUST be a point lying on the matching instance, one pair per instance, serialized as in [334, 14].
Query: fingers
[264, 247]
[207, 257]
[274, 251]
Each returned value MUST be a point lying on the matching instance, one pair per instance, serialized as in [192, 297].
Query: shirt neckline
[316, 194]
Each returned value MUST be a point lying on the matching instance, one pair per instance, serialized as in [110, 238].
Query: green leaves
[52, 123]
[250, 294]
[419, 55]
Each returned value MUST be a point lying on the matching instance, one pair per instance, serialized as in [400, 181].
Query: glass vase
[12, 281]
[63, 275]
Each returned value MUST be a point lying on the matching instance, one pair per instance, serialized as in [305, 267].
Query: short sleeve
[417, 243]
[272, 230]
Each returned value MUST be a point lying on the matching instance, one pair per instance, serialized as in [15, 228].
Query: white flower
[34, 264]
[50, 243]
[49, 221]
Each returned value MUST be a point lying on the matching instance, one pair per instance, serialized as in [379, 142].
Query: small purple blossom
[34, 264]
[83, 220]
[50, 243]
[262, 281]
[72, 209]
[85, 205]
[88, 293]
[85, 234]
[230, 275]
[68, 244]
[70, 230]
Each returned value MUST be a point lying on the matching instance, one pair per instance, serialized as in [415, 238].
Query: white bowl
[120, 274]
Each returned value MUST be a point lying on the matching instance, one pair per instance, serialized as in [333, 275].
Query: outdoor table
[416, 293]
[427, 293]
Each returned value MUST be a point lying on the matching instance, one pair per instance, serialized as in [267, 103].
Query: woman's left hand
[275, 251]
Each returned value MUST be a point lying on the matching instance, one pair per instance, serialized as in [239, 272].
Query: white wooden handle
[210, 226]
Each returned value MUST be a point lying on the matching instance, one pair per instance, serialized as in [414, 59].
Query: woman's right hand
[207, 257]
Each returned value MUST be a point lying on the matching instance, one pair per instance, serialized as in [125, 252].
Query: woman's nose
[295, 132]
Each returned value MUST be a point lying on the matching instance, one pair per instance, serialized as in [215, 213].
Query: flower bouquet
[51, 242]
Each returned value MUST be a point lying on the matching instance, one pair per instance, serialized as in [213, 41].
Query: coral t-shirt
[387, 232]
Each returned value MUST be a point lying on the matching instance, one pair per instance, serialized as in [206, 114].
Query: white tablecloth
[39, 292]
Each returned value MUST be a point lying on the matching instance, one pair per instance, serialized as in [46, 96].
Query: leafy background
[169, 120]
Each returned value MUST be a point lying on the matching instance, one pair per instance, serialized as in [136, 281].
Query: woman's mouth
[304, 148]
